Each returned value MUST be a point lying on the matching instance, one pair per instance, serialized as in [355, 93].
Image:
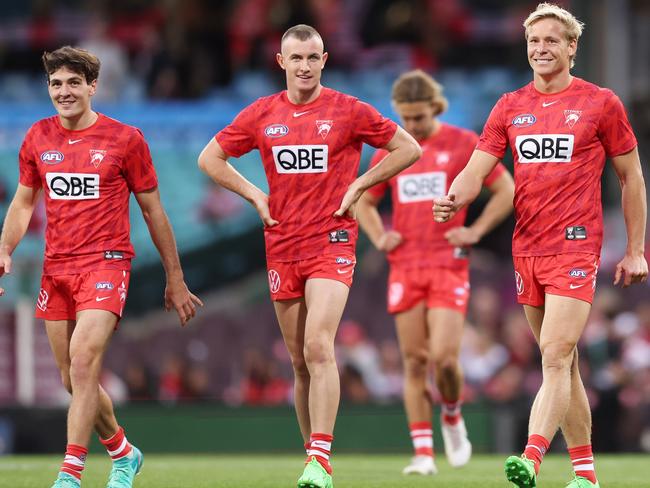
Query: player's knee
[318, 351]
[82, 368]
[415, 364]
[557, 355]
[445, 364]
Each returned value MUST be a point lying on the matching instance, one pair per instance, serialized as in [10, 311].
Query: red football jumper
[87, 177]
[559, 142]
[444, 155]
[310, 155]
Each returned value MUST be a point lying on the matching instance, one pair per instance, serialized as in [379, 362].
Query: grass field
[281, 471]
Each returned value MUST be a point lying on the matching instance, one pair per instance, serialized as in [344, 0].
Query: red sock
[320, 447]
[582, 459]
[307, 444]
[451, 412]
[422, 437]
[75, 459]
[536, 447]
[117, 445]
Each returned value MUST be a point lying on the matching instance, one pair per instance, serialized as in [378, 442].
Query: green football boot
[315, 476]
[521, 472]
[581, 482]
[125, 469]
[65, 480]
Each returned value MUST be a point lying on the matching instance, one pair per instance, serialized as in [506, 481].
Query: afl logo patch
[52, 157]
[524, 120]
[276, 130]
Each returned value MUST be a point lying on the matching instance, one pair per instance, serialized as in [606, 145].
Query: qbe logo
[421, 187]
[545, 148]
[73, 186]
[300, 159]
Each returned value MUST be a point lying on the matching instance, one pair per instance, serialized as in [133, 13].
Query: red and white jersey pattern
[559, 143]
[87, 177]
[310, 155]
[444, 155]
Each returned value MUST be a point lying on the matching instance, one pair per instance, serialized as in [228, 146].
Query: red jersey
[310, 155]
[559, 142]
[444, 155]
[87, 176]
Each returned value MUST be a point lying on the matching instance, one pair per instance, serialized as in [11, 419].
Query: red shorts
[568, 275]
[62, 296]
[439, 287]
[287, 279]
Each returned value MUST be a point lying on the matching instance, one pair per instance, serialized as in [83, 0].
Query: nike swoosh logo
[573, 287]
[548, 104]
[74, 141]
[342, 271]
[300, 114]
[101, 299]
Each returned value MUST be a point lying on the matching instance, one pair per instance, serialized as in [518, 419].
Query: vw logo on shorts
[274, 281]
[519, 282]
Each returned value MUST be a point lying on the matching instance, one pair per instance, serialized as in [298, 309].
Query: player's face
[549, 51]
[70, 93]
[303, 62]
[417, 118]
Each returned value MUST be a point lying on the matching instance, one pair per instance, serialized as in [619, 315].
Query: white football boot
[424, 465]
[458, 448]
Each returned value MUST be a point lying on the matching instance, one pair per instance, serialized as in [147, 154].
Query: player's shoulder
[516, 96]
[593, 90]
[338, 96]
[118, 128]
[44, 125]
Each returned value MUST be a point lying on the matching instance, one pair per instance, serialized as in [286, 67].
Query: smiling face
[303, 62]
[70, 94]
[549, 50]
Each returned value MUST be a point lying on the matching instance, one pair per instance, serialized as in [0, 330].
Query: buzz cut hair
[572, 26]
[417, 86]
[302, 32]
[75, 59]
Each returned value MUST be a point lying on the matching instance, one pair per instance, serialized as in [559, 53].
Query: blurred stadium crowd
[224, 52]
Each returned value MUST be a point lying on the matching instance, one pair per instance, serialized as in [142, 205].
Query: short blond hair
[417, 86]
[572, 26]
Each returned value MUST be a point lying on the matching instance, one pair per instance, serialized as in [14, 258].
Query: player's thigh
[291, 316]
[412, 333]
[325, 300]
[535, 317]
[564, 321]
[446, 327]
[59, 333]
[92, 332]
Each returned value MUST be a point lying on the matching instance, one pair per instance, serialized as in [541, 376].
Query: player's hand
[462, 236]
[349, 202]
[389, 241]
[261, 204]
[179, 297]
[5, 267]
[632, 269]
[444, 208]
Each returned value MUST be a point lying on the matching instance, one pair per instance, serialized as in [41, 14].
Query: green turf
[350, 470]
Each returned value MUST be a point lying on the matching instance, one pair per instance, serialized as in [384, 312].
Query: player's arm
[497, 208]
[633, 268]
[371, 223]
[15, 225]
[403, 151]
[177, 295]
[466, 186]
[213, 161]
